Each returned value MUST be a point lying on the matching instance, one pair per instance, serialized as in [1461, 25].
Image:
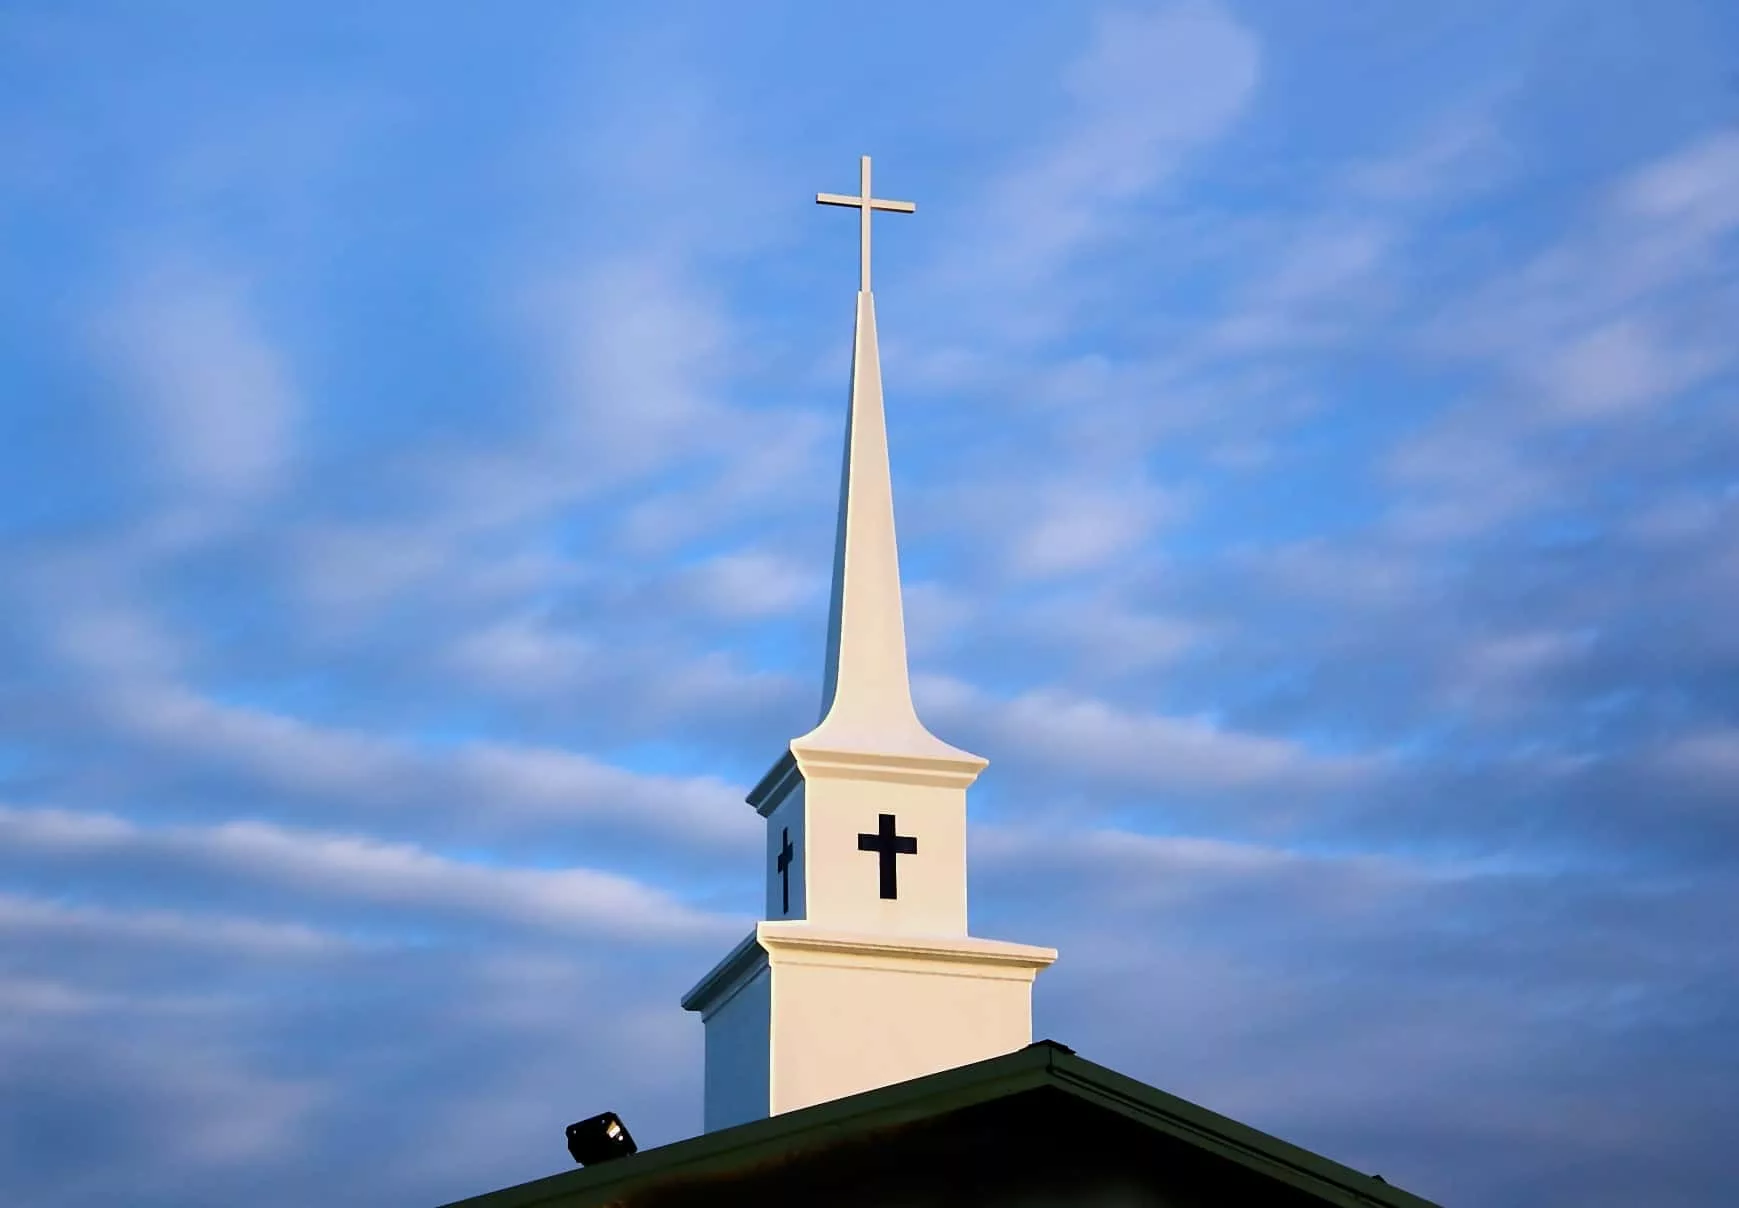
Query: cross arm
[875, 203]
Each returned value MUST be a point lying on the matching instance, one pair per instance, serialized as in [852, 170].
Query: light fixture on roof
[600, 1139]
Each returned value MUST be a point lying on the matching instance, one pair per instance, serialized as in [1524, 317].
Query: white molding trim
[821, 763]
[792, 942]
[798, 943]
[722, 982]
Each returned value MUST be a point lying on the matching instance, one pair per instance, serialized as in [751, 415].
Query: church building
[862, 1047]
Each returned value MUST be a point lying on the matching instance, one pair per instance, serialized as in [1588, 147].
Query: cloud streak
[217, 401]
[574, 900]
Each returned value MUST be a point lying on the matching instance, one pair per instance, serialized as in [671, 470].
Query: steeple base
[798, 1014]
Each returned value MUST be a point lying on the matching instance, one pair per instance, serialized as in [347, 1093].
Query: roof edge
[1043, 1063]
[1207, 1129]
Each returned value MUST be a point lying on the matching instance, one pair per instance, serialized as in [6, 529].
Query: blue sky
[1314, 438]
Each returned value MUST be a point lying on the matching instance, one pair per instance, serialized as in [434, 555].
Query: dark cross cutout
[888, 845]
[784, 864]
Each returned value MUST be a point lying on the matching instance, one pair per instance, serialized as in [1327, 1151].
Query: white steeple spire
[866, 695]
[863, 973]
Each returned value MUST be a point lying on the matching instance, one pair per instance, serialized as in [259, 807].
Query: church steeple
[866, 695]
[863, 973]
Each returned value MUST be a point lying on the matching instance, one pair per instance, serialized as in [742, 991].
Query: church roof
[1037, 1118]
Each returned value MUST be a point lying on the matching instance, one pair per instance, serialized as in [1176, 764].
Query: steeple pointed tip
[866, 695]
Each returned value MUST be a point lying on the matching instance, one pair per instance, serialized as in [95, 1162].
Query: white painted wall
[738, 1074]
[850, 1017]
[799, 1014]
[842, 883]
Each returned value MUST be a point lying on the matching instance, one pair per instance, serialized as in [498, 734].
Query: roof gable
[1017, 1096]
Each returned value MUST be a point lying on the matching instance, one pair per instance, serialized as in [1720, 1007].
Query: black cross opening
[888, 845]
[784, 864]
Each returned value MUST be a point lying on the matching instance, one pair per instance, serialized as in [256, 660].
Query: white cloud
[207, 1106]
[1682, 517]
[1090, 740]
[1461, 483]
[220, 406]
[1608, 328]
[695, 809]
[1327, 281]
[1497, 674]
[580, 900]
[1067, 528]
[55, 922]
[1528, 653]
[1042, 522]
[576, 901]
[1366, 577]
[1709, 757]
[1168, 867]
[233, 1114]
[1148, 87]
[1695, 189]
[492, 784]
[754, 583]
[1108, 635]
[65, 830]
[1159, 751]
[637, 346]
[26, 996]
[521, 655]
[106, 635]
[280, 748]
[1608, 292]
[1331, 274]
[761, 463]
[1463, 153]
[347, 571]
[1617, 367]
[936, 615]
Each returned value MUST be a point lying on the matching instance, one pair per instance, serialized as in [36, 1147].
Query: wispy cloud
[217, 403]
[500, 785]
[1149, 86]
[575, 900]
[1084, 740]
[56, 922]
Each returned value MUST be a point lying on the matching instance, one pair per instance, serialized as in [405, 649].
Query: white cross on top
[865, 204]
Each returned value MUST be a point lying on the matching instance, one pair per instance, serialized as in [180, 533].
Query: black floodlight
[600, 1139]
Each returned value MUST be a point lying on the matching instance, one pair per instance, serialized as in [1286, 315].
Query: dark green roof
[1051, 1069]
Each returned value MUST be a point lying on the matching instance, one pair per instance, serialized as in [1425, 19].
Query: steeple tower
[866, 694]
[863, 974]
